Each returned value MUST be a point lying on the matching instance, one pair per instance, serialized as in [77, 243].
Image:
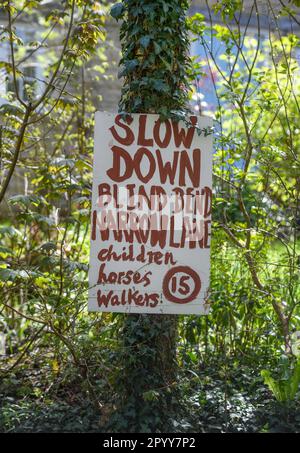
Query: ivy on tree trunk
[154, 65]
[155, 56]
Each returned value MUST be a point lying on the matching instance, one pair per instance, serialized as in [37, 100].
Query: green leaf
[117, 11]
[11, 275]
[25, 200]
[160, 85]
[48, 246]
[11, 109]
[145, 41]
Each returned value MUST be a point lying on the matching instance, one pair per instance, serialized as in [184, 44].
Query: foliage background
[61, 367]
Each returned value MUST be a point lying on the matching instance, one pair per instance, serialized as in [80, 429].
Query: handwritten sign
[151, 215]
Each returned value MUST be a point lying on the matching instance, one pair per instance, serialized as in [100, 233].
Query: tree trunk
[154, 65]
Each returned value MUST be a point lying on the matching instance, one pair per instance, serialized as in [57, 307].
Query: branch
[16, 153]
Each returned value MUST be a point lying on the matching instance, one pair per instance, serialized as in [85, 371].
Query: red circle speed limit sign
[181, 285]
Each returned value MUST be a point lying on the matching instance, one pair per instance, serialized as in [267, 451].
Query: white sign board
[151, 215]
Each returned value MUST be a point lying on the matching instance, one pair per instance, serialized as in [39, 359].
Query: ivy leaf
[157, 48]
[160, 85]
[145, 41]
[129, 66]
[117, 11]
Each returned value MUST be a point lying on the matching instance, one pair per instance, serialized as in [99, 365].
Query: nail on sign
[151, 215]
